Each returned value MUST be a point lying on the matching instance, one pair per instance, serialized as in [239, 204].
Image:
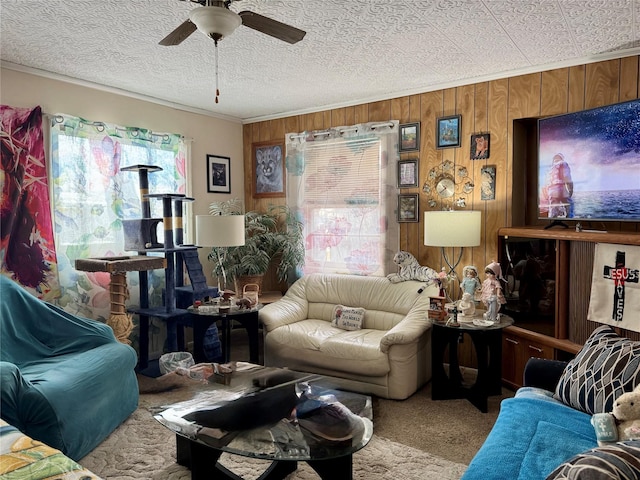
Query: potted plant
[271, 237]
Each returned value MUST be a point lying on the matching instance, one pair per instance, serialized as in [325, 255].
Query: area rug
[141, 448]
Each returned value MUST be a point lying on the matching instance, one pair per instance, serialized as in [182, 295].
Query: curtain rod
[340, 130]
[101, 126]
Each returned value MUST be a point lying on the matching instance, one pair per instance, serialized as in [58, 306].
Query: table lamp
[452, 228]
[221, 232]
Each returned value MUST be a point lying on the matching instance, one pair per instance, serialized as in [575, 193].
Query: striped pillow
[606, 367]
[620, 460]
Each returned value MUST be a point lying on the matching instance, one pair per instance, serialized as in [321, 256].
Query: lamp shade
[452, 228]
[219, 230]
[215, 22]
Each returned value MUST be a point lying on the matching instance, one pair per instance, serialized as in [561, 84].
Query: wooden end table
[487, 341]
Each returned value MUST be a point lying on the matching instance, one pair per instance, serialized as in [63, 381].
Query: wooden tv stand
[559, 330]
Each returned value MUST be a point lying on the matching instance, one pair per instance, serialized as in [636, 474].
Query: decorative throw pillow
[347, 318]
[620, 460]
[607, 366]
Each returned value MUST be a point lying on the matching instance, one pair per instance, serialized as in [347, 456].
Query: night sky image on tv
[601, 148]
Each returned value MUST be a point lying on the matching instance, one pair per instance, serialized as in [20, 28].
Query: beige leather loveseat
[390, 356]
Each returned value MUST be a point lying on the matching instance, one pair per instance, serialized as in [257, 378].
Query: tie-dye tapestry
[27, 249]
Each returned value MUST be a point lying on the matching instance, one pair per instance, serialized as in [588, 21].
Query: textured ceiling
[355, 51]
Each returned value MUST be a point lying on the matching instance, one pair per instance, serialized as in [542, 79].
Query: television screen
[589, 164]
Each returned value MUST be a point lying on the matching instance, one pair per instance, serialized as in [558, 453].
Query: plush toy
[410, 269]
[623, 423]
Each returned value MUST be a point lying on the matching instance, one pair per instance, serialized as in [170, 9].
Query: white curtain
[91, 196]
[342, 185]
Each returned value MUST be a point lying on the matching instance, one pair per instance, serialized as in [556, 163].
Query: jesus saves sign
[615, 286]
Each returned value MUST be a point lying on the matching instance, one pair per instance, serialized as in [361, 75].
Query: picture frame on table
[408, 207]
[448, 131]
[407, 173]
[268, 169]
[409, 137]
[218, 174]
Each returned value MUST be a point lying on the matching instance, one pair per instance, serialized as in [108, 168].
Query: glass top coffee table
[271, 414]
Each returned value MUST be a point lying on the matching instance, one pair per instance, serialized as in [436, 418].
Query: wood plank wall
[485, 107]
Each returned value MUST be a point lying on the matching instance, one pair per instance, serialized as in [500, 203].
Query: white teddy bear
[623, 423]
[466, 305]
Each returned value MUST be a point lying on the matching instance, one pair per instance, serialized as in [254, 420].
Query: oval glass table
[271, 414]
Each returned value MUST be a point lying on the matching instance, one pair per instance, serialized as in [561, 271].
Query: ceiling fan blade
[180, 34]
[276, 29]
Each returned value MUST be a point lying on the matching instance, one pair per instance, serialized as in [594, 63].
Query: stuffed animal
[410, 269]
[623, 423]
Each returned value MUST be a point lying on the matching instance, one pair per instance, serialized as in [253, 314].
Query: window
[342, 184]
[92, 196]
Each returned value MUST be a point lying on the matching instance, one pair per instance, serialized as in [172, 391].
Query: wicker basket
[243, 280]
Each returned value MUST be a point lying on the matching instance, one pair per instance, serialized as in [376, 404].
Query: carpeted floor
[141, 448]
[414, 438]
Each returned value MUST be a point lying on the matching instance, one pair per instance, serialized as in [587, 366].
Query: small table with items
[270, 414]
[487, 340]
[204, 316]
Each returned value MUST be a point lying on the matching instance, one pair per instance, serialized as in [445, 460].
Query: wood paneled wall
[485, 107]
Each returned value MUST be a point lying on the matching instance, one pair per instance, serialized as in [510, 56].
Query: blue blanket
[533, 435]
[64, 380]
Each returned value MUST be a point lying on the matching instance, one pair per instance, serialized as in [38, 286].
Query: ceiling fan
[216, 20]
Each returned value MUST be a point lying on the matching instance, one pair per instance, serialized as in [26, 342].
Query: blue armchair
[64, 380]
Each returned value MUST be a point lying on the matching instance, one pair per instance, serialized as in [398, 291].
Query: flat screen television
[589, 164]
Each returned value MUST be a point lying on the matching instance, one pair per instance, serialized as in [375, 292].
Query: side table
[201, 320]
[487, 341]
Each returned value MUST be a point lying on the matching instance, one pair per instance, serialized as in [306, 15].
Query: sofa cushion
[347, 318]
[607, 366]
[356, 351]
[531, 436]
[621, 460]
[24, 457]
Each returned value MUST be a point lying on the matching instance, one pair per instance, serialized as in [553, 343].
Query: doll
[470, 284]
[492, 296]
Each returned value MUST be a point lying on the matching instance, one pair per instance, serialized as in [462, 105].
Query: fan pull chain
[216, 66]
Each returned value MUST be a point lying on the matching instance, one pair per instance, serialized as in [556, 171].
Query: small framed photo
[437, 308]
[408, 173]
[448, 131]
[409, 137]
[268, 169]
[218, 174]
[488, 183]
[408, 207]
[480, 146]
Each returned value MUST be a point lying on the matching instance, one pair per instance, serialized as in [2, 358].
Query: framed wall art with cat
[268, 169]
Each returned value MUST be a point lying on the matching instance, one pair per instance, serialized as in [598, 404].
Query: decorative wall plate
[447, 185]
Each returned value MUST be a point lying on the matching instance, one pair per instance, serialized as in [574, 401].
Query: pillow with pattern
[347, 318]
[620, 460]
[607, 366]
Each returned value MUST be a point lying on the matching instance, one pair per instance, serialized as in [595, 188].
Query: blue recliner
[64, 380]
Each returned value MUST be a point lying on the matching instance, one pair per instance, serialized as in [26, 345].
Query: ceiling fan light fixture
[215, 22]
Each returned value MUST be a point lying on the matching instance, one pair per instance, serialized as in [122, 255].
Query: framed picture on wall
[480, 146]
[408, 207]
[488, 182]
[268, 169]
[218, 174]
[448, 131]
[408, 173]
[409, 137]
